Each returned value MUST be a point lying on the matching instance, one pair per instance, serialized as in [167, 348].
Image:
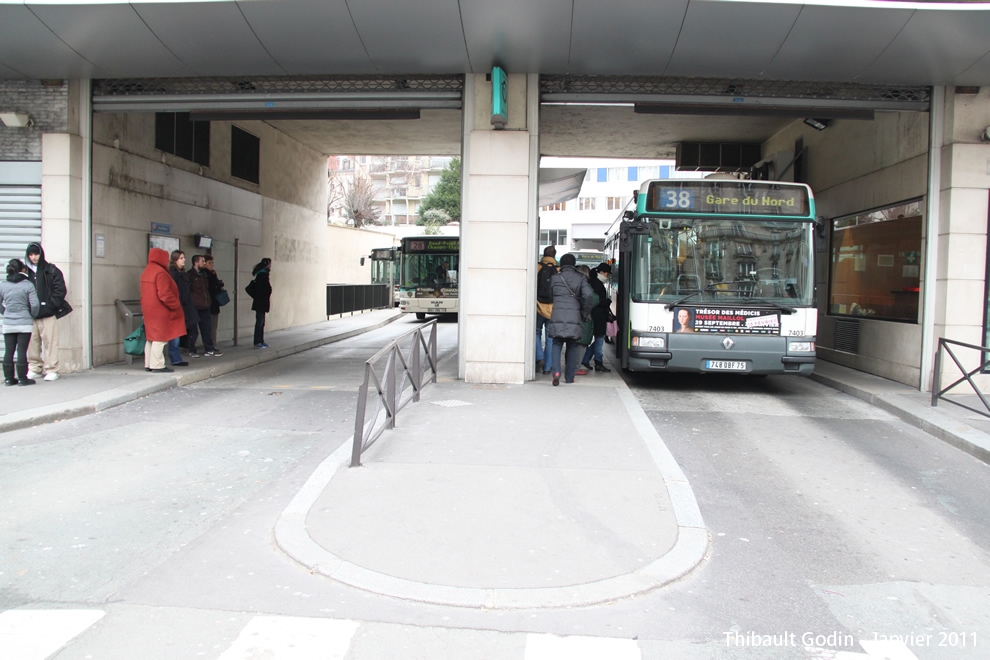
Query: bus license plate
[723, 365]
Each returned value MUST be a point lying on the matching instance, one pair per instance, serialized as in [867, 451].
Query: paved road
[146, 530]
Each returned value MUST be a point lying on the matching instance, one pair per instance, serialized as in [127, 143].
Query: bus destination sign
[431, 245]
[728, 198]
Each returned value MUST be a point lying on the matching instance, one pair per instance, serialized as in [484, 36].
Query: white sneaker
[51, 375]
[33, 376]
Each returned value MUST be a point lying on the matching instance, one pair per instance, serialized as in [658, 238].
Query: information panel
[720, 197]
[722, 320]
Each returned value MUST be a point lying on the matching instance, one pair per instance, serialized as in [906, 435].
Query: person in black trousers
[260, 289]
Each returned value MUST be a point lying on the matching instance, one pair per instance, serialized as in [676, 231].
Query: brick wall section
[48, 107]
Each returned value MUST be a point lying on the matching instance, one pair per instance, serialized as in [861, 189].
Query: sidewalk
[547, 515]
[97, 389]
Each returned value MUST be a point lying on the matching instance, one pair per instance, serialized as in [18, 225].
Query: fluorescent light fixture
[15, 119]
[817, 124]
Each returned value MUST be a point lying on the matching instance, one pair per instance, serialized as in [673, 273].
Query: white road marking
[577, 647]
[36, 634]
[290, 638]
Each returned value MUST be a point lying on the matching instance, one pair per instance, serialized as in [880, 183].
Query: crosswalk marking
[36, 634]
[576, 647]
[288, 638]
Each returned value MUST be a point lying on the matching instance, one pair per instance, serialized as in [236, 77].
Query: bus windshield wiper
[784, 308]
[708, 287]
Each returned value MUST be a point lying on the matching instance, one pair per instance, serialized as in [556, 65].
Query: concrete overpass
[713, 70]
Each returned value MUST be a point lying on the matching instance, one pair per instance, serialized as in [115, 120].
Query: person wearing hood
[599, 317]
[19, 306]
[573, 299]
[164, 318]
[260, 289]
[50, 284]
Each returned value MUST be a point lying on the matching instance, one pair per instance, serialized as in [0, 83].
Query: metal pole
[237, 287]
[937, 378]
[390, 394]
[417, 371]
[359, 420]
[936, 132]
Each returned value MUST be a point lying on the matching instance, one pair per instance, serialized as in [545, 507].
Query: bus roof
[719, 197]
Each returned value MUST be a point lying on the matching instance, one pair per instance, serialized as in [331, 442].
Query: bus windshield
[723, 260]
[429, 270]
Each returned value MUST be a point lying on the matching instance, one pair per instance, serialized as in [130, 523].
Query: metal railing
[938, 392]
[344, 298]
[397, 383]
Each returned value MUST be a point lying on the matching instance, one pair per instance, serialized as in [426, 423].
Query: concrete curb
[115, 397]
[689, 550]
[958, 434]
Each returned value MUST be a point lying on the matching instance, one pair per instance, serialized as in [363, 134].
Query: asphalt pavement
[560, 496]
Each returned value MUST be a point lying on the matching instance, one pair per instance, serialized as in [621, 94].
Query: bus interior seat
[687, 283]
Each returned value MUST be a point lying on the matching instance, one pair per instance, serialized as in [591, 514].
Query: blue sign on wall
[161, 228]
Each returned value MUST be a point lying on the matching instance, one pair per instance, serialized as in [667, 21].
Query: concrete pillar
[63, 202]
[961, 277]
[499, 225]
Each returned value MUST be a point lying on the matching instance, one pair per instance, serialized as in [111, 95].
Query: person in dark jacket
[42, 352]
[599, 318]
[161, 310]
[572, 303]
[177, 269]
[199, 291]
[216, 286]
[260, 289]
[19, 305]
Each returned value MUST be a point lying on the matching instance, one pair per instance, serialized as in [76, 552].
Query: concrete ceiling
[881, 42]
[917, 43]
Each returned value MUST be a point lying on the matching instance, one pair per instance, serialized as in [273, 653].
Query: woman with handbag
[260, 289]
[164, 318]
[19, 305]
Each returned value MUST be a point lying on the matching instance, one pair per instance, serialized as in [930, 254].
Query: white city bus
[716, 275]
[429, 268]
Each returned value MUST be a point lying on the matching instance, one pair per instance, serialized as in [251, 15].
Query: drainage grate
[847, 336]
[451, 403]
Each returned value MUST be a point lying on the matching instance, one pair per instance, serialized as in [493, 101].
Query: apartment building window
[586, 203]
[875, 268]
[617, 173]
[554, 207]
[553, 237]
[245, 155]
[178, 135]
[614, 203]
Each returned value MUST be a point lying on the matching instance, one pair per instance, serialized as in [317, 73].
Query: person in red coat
[163, 316]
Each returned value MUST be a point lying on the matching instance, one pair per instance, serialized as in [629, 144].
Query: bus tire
[420, 315]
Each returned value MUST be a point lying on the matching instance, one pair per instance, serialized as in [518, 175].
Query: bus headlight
[800, 347]
[649, 342]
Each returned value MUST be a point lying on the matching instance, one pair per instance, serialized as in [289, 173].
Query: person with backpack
[546, 268]
[260, 289]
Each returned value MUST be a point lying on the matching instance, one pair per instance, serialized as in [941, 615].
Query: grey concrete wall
[46, 103]
[857, 166]
[282, 217]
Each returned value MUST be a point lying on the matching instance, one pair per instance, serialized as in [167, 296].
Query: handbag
[612, 329]
[63, 309]
[223, 297]
[249, 289]
[134, 342]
